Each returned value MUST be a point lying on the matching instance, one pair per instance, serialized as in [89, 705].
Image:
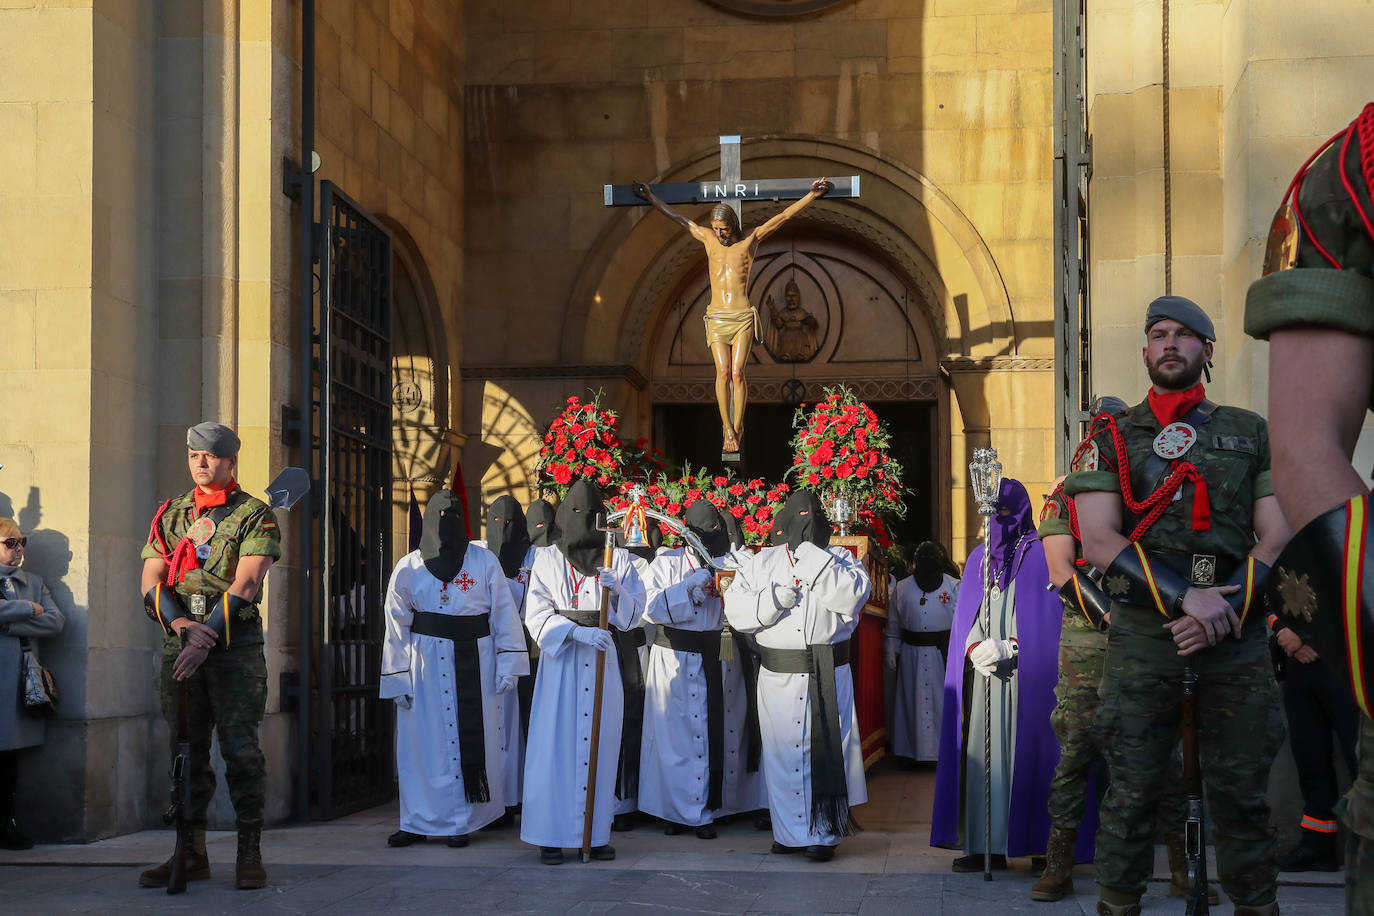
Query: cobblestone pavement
[344, 866]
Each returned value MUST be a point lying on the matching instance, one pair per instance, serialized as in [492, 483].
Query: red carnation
[604, 480]
[737, 489]
[751, 526]
[827, 472]
[843, 471]
[693, 495]
[589, 469]
[737, 511]
[660, 500]
[573, 399]
[674, 508]
[813, 478]
[570, 455]
[561, 473]
[720, 481]
[756, 483]
[753, 499]
[764, 513]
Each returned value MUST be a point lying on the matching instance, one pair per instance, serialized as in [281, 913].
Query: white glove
[607, 578]
[595, 637]
[404, 702]
[697, 582]
[989, 653]
[890, 656]
[786, 596]
[507, 683]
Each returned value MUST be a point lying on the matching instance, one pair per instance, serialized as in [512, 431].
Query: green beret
[1185, 311]
[215, 438]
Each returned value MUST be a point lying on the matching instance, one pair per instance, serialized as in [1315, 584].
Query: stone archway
[424, 447]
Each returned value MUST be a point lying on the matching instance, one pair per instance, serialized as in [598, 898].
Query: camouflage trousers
[1081, 660]
[1357, 811]
[227, 696]
[1240, 729]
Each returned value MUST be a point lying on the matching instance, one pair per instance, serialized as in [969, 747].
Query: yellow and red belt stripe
[1352, 588]
[1150, 580]
[1247, 589]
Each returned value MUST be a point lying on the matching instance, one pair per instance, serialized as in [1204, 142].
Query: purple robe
[1039, 615]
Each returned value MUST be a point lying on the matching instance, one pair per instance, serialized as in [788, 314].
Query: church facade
[151, 274]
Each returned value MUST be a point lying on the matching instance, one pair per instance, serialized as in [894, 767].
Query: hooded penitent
[803, 519]
[928, 566]
[706, 523]
[577, 537]
[539, 523]
[444, 539]
[1011, 533]
[1038, 618]
[732, 528]
[507, 536]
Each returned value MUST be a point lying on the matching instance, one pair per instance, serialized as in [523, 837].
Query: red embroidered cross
[465, 582]
[944, 597]
[521, 578]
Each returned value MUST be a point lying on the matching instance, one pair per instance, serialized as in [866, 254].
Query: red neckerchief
[214, 497]
[1171, 406]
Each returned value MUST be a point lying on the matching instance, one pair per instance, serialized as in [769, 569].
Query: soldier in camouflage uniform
[1082, 769]
[1315, 306]
[1175, 506]
[207, 554]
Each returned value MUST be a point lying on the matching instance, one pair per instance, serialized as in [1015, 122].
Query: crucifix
[732, 323]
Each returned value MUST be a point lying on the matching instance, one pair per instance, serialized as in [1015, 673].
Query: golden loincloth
[737, 327]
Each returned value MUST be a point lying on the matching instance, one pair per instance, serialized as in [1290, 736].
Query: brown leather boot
[1057, 881]
[1178, 870]
[197, 863]
[248, 872]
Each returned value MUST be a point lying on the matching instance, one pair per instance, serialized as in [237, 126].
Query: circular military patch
[1174, 440]
[1285, 236]
[201, 530]
[1051, 510]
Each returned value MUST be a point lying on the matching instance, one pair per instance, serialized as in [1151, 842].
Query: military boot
[1178, 870]
[1117, 909]
[1314, 852]
[1264, 909]
[248, 872]
[1057, 881]
[197, 863]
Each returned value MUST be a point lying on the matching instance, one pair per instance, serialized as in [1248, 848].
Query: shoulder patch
[1050, 510]
[1085, 457]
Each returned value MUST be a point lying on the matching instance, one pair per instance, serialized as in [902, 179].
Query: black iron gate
[353, 757]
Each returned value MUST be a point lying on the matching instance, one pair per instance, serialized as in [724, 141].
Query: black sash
[464, 632]
[829, 785]
[632, 680]
[937, 638]
[747, 659]
[705, 643]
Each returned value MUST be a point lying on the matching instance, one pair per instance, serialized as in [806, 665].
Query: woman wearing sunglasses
[27, 613]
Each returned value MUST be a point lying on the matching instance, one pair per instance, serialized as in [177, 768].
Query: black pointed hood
[928, 566]
[444, 537]
[705, 521]
[577, 537]
[539, 523]
[507, 536]
[733, 529]
[803, 519]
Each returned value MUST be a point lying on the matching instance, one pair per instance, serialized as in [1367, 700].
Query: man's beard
[1177, 376]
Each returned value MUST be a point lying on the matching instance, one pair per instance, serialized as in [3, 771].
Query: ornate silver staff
[985, 476]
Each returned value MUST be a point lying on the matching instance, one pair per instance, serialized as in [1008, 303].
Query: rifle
[179, 811]
[1193, 839]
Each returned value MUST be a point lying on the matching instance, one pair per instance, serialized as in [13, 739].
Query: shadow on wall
[54, 770]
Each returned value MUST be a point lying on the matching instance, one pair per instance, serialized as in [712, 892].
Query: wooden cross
[730, 187]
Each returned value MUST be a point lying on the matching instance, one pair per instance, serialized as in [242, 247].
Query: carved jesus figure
[732, 324]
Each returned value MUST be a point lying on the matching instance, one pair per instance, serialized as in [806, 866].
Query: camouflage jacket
[1054, 519]
[1231, 453]
[248, 529]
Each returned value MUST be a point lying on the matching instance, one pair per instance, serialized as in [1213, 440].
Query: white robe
[834, 588]
[557, 755]
[920, 693]
[508, 703]
[674, 775]
[428, 763]
[631, 804]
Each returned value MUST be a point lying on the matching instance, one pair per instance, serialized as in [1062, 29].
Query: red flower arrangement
[582, 442]
[841, 450]
[755, 503]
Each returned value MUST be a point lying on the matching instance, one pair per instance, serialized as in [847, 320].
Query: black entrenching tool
[179, 811]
